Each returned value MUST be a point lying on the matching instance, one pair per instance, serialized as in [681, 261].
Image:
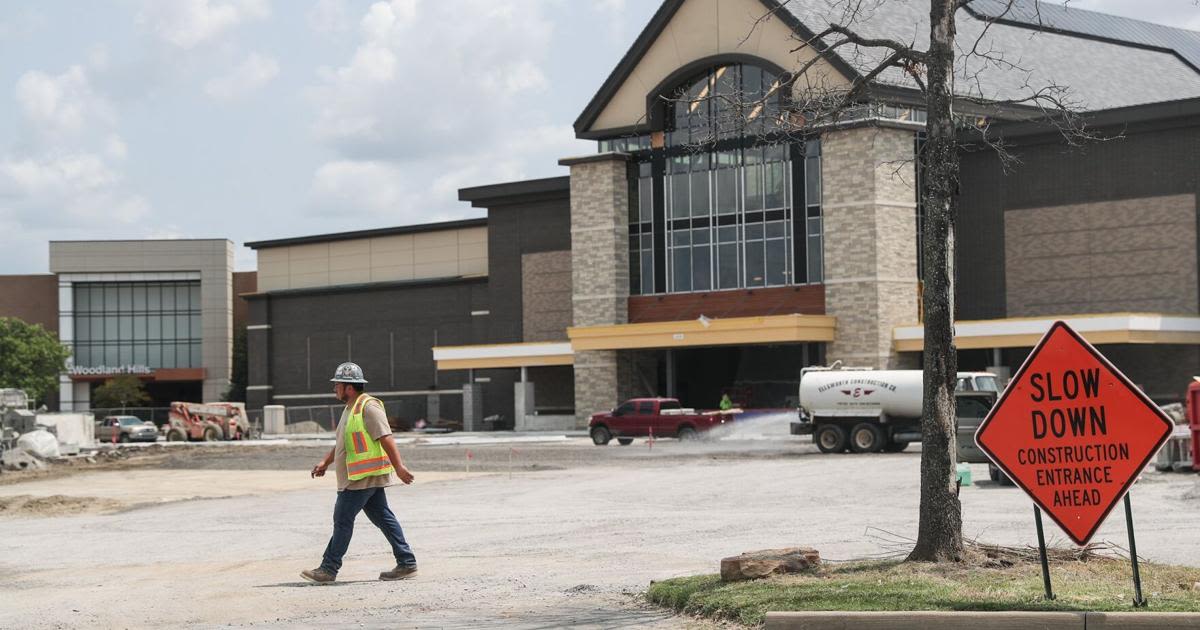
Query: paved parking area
[567, 538]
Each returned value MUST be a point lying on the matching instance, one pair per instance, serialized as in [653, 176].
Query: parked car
[665, 417]
[126, 428]
[970, 410]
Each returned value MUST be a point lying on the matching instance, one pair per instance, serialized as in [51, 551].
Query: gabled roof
[1107, 61]
[1068, 19]
[646, 38]
[1129, 65]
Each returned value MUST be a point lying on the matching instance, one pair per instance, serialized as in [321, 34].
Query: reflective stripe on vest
[365, 456]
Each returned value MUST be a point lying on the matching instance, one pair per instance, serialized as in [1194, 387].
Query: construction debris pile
[30, 439]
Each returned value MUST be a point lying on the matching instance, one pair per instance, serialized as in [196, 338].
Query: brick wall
[1139, 162]
[31, 298]
[870, 242]
[244, 282]
[1164, 371]
[546, 295]
[1102, 257]
[516, 229]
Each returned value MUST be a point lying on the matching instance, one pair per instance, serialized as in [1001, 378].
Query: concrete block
[1142, 621]
[274, 419]
[546, 423]
[924, 620]
[524, 397]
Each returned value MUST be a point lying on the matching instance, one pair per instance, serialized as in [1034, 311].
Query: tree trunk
[939, 535]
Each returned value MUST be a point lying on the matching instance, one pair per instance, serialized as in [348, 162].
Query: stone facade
[546, 310]
[1135, 255]
[597, 387]
[870, 242]
[599, 270]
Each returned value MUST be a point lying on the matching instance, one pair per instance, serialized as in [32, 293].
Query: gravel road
[569, 538]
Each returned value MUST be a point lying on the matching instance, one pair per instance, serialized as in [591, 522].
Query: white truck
[865, 410]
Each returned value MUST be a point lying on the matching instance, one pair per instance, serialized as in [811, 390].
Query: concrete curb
[936, 620]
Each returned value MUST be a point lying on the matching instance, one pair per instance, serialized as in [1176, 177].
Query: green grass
[1096, 585]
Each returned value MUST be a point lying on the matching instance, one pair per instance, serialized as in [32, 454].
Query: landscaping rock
[757, 564]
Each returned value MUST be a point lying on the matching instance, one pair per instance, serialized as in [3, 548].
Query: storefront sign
[106, 370]
[1073, 432]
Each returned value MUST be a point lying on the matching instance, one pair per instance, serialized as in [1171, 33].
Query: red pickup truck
[664, 416]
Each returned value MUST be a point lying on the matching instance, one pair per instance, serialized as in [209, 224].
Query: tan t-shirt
[375, 421]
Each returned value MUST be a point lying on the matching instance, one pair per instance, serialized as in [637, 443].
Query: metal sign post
[1138, 600]
[1037, 516]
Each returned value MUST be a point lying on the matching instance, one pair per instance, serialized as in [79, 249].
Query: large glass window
[641, 231]
[729, 201]
[155, 324]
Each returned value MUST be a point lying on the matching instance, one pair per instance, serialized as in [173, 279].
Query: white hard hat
[348, 373]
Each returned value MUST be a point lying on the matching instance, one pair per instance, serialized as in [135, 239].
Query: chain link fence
[404, 412]
[157, 415]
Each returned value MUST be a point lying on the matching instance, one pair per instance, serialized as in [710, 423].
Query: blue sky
[258, 119]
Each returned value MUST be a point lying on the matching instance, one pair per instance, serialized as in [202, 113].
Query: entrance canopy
[1024, 332]
[504, 355]
[704, 331]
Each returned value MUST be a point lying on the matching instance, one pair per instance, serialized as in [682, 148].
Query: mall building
[160, 310]
[689, 257]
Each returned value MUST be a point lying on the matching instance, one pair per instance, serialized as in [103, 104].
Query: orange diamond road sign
[1073, 432]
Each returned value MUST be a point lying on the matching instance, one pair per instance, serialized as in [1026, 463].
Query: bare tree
[933, 69]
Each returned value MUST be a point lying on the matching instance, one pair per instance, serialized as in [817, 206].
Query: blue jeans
[373, 501]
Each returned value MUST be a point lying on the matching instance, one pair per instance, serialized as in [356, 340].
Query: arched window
[729, 201]
[729, 101]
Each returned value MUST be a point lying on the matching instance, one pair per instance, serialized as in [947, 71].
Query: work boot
[318, 575]
[401, 572]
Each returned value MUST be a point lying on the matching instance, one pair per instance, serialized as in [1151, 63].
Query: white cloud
[66, 174]
[115, 148]
[399, 193]
[59, 176]
[363, 187]
[189, 23]
[396, 98]
[76, 189]
[256, 71]
[611, 6]
[411, 126]
[329, 16]
[62, 105]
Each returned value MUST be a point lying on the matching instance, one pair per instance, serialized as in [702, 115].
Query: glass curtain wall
[729, 202]
[155, 324]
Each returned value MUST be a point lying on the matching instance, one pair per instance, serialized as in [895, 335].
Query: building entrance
[757, 377]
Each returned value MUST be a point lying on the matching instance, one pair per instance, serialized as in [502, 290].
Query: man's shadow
[303, 584]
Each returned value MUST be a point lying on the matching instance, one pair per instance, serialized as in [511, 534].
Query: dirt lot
[565, 535]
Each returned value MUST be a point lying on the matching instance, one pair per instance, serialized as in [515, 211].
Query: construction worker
[726, 404]
[366, 461]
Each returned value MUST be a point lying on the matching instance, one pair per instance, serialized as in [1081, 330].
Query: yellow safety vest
[365, 457]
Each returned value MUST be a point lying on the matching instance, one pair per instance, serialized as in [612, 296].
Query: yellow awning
[705, 332]
[1024, 332]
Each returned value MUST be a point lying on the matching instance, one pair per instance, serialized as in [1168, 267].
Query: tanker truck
[865, 410]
